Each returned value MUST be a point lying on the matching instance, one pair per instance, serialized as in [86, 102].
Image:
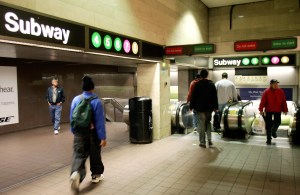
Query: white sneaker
[97, 178]
[59, 128]
[74, 179]
[55, 132]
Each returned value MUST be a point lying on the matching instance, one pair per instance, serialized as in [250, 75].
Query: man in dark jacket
[204, 100]
[55, 97]
[273, 102]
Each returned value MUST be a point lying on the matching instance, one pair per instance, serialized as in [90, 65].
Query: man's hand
[261, 113]
[49, 104]
[58, 104]
[103, 143]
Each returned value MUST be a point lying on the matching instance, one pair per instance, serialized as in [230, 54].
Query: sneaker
[210, 143]
[274, 134]
[75, 181]
[202, 145]
[268, 142]
[97, 178]
[55, 132]
[59, 128]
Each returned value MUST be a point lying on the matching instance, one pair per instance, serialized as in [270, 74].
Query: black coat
[204, 96]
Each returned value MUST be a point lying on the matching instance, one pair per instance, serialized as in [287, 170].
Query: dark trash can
[140, 117]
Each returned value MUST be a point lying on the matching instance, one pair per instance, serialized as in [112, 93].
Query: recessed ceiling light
[241, 16]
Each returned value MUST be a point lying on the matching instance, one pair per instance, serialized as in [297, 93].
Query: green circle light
[266, 60]
[246, 61]
[96, 39]
[107, 42]
[254, 61]
[118, 44]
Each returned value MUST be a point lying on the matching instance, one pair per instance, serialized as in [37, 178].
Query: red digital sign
[174, 51]
[246, 46]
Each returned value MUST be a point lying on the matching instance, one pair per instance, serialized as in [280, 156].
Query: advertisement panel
[8, 96]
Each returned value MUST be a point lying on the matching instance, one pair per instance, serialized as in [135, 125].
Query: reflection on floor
[174, 165]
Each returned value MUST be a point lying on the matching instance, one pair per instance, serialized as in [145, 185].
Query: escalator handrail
[225, 115]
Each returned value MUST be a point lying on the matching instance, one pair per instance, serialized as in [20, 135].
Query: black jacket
[60, 95]
[204, 97]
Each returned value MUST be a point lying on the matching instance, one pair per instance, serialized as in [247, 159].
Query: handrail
[115, 104]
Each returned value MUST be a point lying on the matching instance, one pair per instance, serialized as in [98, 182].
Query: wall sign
[264, 45]
[113, 43]
[256, 93]
[190, 49]
[26, 25]
[254, 61]
[8, 96]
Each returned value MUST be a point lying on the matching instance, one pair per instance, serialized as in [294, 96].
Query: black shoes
[274, 134]
[268, 142]
[202, 145]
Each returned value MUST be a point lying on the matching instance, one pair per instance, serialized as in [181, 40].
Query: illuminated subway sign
[31, 27]
[21, 24]
[113, 43]
[270, 60]
[226, 62]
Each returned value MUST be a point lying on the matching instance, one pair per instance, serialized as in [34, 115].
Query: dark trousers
[272, 125]
[87, 146]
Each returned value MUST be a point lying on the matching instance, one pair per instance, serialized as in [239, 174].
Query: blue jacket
[98, 114]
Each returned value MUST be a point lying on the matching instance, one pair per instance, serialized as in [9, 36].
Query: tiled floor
[176, 165]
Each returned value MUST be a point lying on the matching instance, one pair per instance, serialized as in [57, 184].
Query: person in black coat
[204, 101]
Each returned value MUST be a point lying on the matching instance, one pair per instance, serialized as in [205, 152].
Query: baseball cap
[274, 81]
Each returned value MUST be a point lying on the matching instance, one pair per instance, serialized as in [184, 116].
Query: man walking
[192, 86]
[55, 97]
[226, 92]
[88, 142]
[204, 100]
[272, 103]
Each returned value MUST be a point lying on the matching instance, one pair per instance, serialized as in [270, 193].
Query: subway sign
[112, 43]
[254, 61]
[264, 45]
[29, 26]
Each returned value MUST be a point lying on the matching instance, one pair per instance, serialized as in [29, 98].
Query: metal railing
[116, 105]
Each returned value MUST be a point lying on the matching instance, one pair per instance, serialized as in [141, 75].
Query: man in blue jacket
[88, 143]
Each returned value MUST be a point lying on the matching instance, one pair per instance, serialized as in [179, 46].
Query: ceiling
[221, 3]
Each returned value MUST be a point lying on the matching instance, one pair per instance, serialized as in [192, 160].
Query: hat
[274, 81]
[87, 83]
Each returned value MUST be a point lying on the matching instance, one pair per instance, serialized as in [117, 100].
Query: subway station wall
[165, 22]
[268, 19]
[34, 77]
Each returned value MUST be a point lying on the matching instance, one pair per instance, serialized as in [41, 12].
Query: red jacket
[192, 86]
[273, 100]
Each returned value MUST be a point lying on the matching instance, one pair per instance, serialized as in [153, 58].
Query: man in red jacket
[273, 102]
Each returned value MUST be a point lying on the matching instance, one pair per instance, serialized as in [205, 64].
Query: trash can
[140, 117]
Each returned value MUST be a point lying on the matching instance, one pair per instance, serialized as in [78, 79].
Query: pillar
[153, 80]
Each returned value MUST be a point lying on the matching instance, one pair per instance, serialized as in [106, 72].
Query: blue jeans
[55, 114]
[204, 126]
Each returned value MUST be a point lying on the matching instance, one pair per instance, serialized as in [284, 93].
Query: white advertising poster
[9, 110]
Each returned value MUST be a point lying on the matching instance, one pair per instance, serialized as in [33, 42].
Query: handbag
[217, 120]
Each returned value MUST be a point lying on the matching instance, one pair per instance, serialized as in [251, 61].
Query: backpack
[82, 114]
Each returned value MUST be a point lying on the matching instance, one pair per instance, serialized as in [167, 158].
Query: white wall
[268, 19]
[166, 22]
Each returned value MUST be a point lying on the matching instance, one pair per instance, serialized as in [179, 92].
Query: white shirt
[226, 91]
